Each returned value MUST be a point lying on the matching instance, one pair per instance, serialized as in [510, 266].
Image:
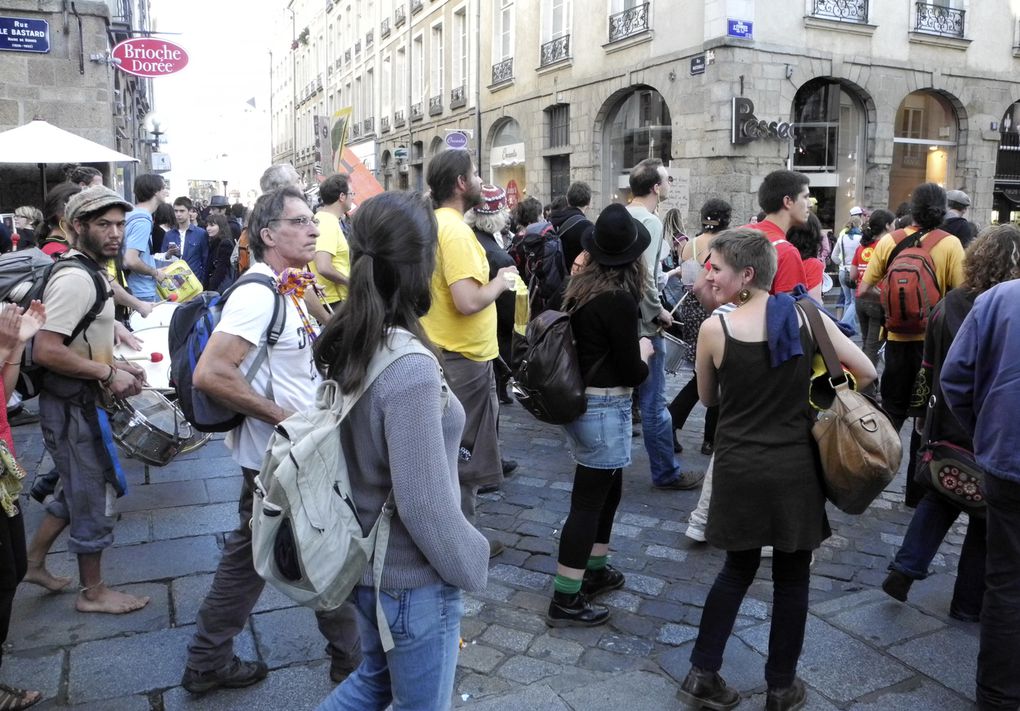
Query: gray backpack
[307, 540]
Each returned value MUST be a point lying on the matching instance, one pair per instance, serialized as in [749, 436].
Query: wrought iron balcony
[368, 125]
[416, 6]
[369, 39]
[399, 16]
[938, 20]
[555, 51]
[357, 47]
[398, 119]
[355, 129]
[842, 10]
[436, 105]
[417, 111]
[628, 23]
[384, 29]
[503, 71]
[318, 84]
[457, 97]
[347, 56]
[384, 124]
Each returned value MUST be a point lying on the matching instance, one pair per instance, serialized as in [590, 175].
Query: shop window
[559, 176]
[924, 144]
[506, 158]
[637, 127]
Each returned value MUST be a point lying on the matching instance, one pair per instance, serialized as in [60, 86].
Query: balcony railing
[399, 16]
[384, 124]
[1007, 167]
[628, 23]
[398, 119]
[457, 97]
[842, 10]
[503, 71]
[416, 6]
[938, 20]
[417, 111]
[355, 129]
[357, 47]
[347, 56]
[120, 12]
[436, 105]
[369, 39]
[555, 51]
[318, 84]
[384, 29]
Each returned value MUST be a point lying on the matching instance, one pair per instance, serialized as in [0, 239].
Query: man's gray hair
[279, 175]
[492, 223]
[268, 207]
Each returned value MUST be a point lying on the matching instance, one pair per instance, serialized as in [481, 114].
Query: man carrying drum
[80, 369]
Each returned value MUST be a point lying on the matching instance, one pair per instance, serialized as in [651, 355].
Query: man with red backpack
[912, 268]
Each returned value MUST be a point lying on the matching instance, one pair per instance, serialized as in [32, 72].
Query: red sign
[149, 57]
[513, 195]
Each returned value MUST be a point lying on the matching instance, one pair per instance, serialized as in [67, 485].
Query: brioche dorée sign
[149, 57]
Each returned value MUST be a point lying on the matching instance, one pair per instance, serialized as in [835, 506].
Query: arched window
[924, 145]
[1006, 201]
[506, 160]
[638, 127]
[830, 128]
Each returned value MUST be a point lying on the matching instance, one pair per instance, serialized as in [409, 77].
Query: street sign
[149, 57]
[697, 65]
[21, 34]
[457, 140]
[741, 29]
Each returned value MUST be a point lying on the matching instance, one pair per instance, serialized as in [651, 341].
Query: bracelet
[109, 378]
[12, 362]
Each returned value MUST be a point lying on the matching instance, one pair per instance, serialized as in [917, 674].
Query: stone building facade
[867, 98]
[73, 86]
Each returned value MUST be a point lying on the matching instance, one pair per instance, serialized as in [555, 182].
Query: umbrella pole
[42, 177]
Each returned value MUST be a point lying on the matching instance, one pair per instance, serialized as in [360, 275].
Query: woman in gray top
[403, 435]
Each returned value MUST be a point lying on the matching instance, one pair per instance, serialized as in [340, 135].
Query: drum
[150, 428]
[676, 353]
[160, 316]
[154, 340]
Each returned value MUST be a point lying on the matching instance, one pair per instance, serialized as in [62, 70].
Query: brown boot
[706, 689]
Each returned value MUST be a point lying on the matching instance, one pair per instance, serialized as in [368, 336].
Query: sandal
[12, 699]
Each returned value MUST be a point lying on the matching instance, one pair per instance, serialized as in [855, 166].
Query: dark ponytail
[875, 226]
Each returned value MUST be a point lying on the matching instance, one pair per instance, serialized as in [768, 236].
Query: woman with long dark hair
[400, 438]
[869, 307]
[221, 246]
[992, 258]
[602, 299]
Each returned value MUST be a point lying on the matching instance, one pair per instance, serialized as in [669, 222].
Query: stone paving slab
[186, 521]
[949, 655]
[288, 636]
[915, 693]
[293, 688]
[886, 622]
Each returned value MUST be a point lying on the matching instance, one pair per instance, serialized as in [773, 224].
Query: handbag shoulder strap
[822, 340]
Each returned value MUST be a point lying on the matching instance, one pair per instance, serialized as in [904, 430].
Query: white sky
[203, 108]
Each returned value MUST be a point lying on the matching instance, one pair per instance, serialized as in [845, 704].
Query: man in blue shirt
[195, 247]
[150, 192]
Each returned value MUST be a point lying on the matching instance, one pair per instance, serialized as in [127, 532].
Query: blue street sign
[456, 139]
[20, 34]
[741, 29]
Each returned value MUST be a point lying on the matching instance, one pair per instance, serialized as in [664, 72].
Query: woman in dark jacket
[221, 246]
[992, 258]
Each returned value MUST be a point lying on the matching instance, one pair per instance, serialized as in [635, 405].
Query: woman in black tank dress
[755, 362]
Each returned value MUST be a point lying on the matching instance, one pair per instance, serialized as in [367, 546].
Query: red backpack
[910, 287]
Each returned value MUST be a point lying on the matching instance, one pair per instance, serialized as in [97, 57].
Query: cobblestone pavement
[863, 651]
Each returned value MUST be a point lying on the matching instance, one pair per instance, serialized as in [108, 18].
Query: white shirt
[845, 249]
[247, 314]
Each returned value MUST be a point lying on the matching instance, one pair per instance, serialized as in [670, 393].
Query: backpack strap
[570, 224]
[276, 323]
[102, 291]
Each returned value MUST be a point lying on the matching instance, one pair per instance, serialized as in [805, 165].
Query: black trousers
[684, 402]
[13, 565]
[593, 503]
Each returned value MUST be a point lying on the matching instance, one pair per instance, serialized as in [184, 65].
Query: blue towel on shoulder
[799, 293]
[783, 329]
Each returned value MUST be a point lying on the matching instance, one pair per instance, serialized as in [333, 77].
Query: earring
[743, 296]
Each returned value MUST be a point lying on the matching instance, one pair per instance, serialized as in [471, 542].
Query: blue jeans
[601, 437]
[656, 424]
[417, 674]
[931, 522]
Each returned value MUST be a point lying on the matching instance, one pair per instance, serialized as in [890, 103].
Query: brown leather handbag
[859, 447]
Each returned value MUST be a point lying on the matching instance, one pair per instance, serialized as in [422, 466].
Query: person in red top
[15, 330]
[785, 198]
[869, 308]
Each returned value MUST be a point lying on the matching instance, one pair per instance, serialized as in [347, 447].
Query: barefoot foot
[13, 698]
[100, 598]
[38, 575]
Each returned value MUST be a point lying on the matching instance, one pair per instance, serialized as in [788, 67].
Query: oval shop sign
[149, 57]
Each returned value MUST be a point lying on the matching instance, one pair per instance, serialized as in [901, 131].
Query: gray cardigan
[398, 436]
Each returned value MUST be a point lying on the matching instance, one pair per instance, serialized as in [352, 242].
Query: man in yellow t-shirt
[462, 321]
[332, 265]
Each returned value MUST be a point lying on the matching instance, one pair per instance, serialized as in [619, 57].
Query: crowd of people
[446, 269]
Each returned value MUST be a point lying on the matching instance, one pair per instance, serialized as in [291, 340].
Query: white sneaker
[766, 552]
[695, 533]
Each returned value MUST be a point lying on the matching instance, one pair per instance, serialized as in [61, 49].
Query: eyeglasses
[297, 221]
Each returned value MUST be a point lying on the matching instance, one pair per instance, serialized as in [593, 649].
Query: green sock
[597, 562]
[569, 586]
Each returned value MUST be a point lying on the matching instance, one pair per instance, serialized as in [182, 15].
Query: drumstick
[152, 357]
[682, 298]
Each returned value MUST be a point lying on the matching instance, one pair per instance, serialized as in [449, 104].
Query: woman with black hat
[602, 300]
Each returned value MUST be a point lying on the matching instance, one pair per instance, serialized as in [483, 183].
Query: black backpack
[191, 326]
[548, 381]
[538, 254]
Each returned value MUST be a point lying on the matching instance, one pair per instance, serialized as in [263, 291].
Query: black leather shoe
[509, 467]
[707, 690]
[341, 667]
[598, 582]
[896, 585]
[963, 616]
[234, 675]
[707, 448]
[791, 698]
[566, 610]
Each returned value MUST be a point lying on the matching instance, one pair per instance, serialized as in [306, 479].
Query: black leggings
[593, 503]
[683, 403]
[790, 575]
[13, 565]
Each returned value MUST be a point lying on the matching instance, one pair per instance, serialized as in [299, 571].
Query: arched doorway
[924, 144]
[387, 169]
[1006, 200]
[637, 127]
[830, 134]
[506, 159]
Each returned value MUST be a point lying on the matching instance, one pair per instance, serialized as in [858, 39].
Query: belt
[609, 391]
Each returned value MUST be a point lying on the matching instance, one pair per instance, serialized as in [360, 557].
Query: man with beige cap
[75, 347]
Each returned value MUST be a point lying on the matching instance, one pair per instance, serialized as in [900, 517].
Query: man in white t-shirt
[282, 236]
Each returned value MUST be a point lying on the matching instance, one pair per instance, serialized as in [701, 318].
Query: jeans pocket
[395, 605]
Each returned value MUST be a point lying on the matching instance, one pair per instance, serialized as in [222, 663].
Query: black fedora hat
[616, 238]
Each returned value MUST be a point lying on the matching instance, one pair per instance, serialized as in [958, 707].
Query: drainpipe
[478, 83]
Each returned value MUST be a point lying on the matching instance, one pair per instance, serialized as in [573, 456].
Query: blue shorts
[601, 437]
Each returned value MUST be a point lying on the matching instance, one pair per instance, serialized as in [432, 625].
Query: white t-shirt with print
[247, 314]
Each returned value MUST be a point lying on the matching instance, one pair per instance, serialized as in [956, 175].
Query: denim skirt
[601, 437]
